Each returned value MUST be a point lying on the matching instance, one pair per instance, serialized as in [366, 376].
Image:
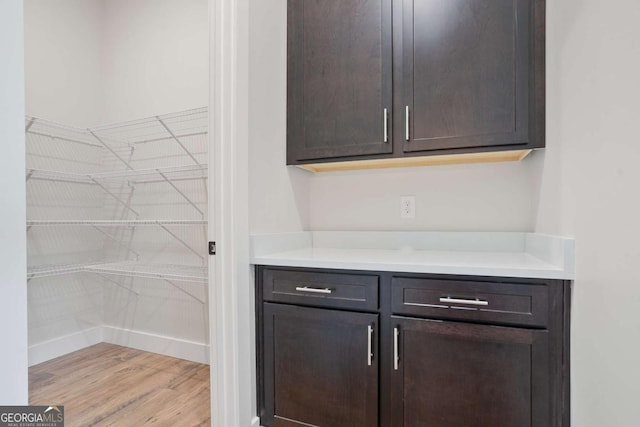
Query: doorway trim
[230, 290]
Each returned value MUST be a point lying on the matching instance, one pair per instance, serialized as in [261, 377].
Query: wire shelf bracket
[125, 268]
[105, 145]
[176, 139]
[118, 199]
[185, 244]
[115, 222]
[116, 240]
[115, 282]
[184, 291]
[32, 120]
[184, 196]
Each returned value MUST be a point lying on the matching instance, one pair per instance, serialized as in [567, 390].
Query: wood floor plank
[109, 385]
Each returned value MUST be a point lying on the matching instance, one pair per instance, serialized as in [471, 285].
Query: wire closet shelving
[164, 141]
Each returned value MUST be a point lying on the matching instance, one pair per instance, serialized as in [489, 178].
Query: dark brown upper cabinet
[339, 78]
[387, 82]
[466, 73]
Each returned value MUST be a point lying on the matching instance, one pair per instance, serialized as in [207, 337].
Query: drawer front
[506, 303]
[357, 291]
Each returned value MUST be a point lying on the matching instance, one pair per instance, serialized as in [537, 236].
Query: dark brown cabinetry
[459, 375]
[467, 76]
[352, 348]
[339, 78]
[324, 369]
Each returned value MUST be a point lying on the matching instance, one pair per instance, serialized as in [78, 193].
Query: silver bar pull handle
[396, 356]
[369, 345]
[386, 125]
[406, 123]
[313, 290]
[448, 300]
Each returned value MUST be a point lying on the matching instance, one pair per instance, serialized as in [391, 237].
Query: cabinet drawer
[506, 303]
[358, 291]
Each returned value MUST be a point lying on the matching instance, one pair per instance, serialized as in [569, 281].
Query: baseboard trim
[168, 346]
[47, 350]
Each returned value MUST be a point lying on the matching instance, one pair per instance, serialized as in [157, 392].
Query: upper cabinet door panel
[466, 73]
[339, 78]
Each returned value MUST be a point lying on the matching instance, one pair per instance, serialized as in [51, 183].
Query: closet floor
[110, 385]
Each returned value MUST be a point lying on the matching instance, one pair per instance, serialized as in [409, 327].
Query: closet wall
[155, 57]
[62, 83]
[155, 61]
[63, 60]
[92, 62]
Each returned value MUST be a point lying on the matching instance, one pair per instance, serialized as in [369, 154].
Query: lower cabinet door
[449, 374]
[320, 367]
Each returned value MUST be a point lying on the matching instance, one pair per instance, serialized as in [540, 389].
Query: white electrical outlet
[407, 207]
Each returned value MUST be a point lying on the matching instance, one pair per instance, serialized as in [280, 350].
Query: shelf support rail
[183, 291]
[105, 277]
[118, 199]
[105, 145]
[185, 244]
[31, 122]
[176, 139]
[117, 241]
[184, 196]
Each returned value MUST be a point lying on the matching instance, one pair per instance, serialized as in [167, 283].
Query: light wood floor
[109, 385]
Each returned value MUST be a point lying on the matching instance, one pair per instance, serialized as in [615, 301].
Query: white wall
[278, 196]
[63, 51]
[480, 197]
[156, 57]
[584, 184]
[63, 67]
[588, 186]
[90, 62]
[155, 61]
[13, 250]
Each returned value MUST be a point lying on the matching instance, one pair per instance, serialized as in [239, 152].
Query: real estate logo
[31, 416]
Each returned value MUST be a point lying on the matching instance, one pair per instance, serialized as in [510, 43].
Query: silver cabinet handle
[386, 125]
[406, 123]
[369, 345]
[396, 356]
[313, 290]
[476, 301]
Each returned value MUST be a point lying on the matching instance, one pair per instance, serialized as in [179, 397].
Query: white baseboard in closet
[66, 344]
[168, 346]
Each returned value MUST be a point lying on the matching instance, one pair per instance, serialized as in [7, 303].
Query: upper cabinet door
[338, 79]
[469, 74]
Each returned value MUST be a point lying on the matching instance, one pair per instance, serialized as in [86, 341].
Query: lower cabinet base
[470, 363]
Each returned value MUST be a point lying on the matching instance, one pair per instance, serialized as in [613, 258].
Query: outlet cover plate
[407, 207]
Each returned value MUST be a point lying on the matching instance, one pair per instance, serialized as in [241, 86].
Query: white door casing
[230, 291]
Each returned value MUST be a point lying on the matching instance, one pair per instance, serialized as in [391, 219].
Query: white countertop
[479, 254]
